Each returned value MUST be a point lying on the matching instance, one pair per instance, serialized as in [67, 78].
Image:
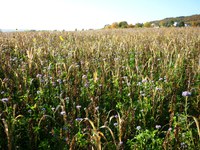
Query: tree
[147, 24]
[139, 25]
[114, 25]
[181, 24]
[123, 24]
[162, 24]
[171, 23]
[107, 26]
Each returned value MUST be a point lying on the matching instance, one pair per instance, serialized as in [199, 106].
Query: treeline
[193, 21]
[124, 24]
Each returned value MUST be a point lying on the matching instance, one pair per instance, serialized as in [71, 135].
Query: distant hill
[193, 20]
[181, 21]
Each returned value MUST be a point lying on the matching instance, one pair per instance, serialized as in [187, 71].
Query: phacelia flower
[59, 81]
[115, 124]
[158, 126]
[79, 119]
[186, 93]
[4, 99]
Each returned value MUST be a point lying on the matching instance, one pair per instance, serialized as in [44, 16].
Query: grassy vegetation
[109, 89]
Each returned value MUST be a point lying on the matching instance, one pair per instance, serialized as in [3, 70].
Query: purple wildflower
[84, 77]
[39, 76]
[79, 119]
[186, 93]
[170, 129]
[115, 124]
[4, 99]
[158, 126]
[120, 143]
[144, 80]
[59, 81]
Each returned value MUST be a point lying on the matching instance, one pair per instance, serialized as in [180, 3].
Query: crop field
[129, 89]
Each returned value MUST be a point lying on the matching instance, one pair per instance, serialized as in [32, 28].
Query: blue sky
[71, 14]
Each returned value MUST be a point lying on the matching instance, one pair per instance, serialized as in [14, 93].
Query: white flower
[97, 108]
[78, 106]
[62, 112]
[138, 127]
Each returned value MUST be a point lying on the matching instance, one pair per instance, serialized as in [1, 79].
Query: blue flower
[79, 119]
[43, 109]
[115, 124]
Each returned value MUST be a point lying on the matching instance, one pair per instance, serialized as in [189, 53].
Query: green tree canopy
[139, 25]
[123, 24]
[147, 24]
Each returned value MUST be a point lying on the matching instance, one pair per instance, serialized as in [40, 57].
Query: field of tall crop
[106, 89]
